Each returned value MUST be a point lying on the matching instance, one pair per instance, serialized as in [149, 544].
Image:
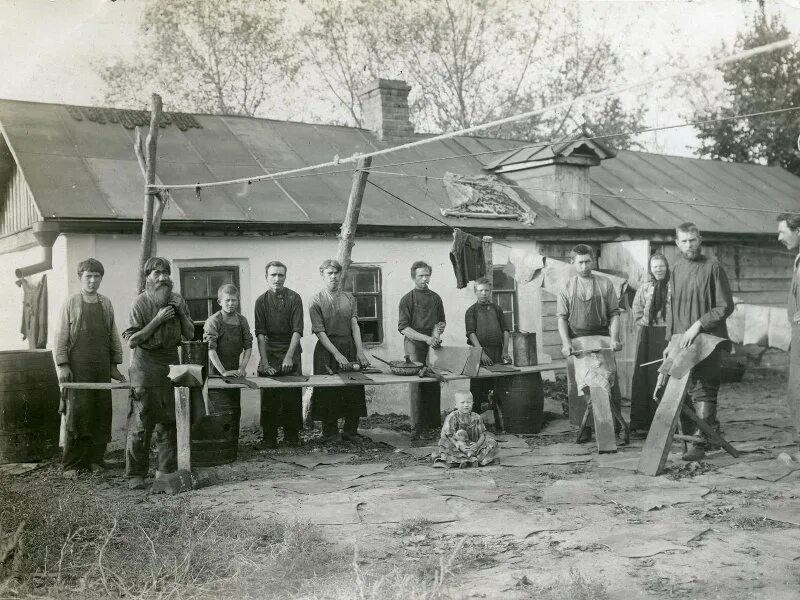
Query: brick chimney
[384, 104]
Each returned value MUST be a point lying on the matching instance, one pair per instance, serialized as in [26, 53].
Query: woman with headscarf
[335, 323]
[649, 312]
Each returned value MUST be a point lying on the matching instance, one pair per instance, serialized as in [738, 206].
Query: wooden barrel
[521, 400]
[524, 344]
[29, 397]
[215, 438]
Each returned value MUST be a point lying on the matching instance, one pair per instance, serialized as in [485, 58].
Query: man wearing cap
[159, 318]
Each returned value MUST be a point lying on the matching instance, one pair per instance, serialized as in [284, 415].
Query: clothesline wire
[597, 195]
[396, 197]
[732, 58]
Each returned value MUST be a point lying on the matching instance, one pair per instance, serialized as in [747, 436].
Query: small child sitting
[464, 440]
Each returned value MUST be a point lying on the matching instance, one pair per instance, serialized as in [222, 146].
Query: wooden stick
[652, 362]
[347, 234]
[150, 179]
[487, 258]
[183, 427]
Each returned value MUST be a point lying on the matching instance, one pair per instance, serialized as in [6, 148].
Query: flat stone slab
[789, 513]
[350, 472]
[416, 473]
[419, 451]
[424, 504]
[508, 440]
[563, 448]
[327, 510]
[648, 539]
[472, 488]
[313, 485]
[535, 460]
[390, 437]
[767, 470]
[558, 427]
[18, 468]
[626, 461]
[484, 520]
[311, 460]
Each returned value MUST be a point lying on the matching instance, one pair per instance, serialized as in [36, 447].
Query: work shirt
[150, 360]
[279, 315]
[71, 323]
[332, 313]
[592, 315]
[487, 322]
[421, 310]
[700, 292]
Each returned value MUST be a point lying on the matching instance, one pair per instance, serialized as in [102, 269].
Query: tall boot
[707, 411]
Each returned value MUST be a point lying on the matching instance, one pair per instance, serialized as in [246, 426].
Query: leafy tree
[214, 56]
[762, 83]
[469, 62]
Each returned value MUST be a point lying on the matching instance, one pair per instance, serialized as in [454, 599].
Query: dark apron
[89, 411]
[585, 316]
[330, 403]
[425, 407]
[230, 345]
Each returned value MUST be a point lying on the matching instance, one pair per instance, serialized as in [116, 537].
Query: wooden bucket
[215, 438]
[29, 397]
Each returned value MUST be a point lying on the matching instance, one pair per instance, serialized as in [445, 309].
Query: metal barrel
[29, 397]
[521, 398]
[215, 438]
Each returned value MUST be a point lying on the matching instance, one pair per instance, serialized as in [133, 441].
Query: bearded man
[158, 320]
[701, 303]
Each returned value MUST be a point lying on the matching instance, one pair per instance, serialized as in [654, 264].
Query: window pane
[217, 279]
[502, 281]
[198, 309]
[504, 301]
[196, 285]
[366, 306]
[370, 331]
[366, 280]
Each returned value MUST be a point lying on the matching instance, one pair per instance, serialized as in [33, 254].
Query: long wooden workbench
[182, 402]
[381, 378]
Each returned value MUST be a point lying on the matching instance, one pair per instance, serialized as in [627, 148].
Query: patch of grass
[114, 546]
[574, 586]
[413, 526]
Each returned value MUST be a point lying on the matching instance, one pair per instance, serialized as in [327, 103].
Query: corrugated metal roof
[85, 169]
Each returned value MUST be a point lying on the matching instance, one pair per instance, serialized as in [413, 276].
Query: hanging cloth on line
[467, 258]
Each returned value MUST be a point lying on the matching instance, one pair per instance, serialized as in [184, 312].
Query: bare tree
[215, 56]
[468, 61]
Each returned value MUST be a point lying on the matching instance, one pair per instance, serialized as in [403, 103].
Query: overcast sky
[49, 47]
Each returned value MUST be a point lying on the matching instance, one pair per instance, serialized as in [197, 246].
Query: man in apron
[159, 318]
[588, 305]
[87, 349]
[279, 327]
[789, 236]
[701, 303]
[422, 322]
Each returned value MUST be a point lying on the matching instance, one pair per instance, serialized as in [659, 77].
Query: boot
[696, 452]
[707, 411]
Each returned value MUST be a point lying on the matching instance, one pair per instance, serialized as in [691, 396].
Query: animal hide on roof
[484, 197]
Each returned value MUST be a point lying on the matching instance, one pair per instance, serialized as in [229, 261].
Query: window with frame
[504, 293]
[199, 286]
[365, 284]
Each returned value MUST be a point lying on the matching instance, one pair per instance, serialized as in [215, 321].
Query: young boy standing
[87, 349]
[227, 332]
[486, 328]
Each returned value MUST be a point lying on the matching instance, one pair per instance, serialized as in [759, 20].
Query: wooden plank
[184, 428]
[603, 420]
[659, 438]
[215, 383]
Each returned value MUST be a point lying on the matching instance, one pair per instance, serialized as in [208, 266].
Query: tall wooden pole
[146, 245]
[487, 258]
[347, 234]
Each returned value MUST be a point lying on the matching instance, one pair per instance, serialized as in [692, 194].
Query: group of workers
[691, 297]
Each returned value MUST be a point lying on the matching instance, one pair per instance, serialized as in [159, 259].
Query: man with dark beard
[701, 302]
[158, 320]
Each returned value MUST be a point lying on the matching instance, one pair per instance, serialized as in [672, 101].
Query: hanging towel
[34, 312]
[780, 334]
[756, 325]
[735, 324]
[556, 274]
[467, 258]
[523, 266]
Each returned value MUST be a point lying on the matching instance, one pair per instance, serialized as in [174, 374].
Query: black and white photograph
[400, 299]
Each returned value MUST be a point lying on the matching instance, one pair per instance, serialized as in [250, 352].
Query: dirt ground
[552, 520]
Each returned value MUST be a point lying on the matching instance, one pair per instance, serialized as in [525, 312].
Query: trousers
[152, 411]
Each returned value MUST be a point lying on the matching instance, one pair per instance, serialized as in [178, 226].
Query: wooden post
[487, 258]
[184, 428]
[145, 247]
[347, 233]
